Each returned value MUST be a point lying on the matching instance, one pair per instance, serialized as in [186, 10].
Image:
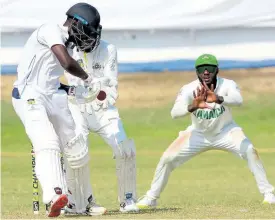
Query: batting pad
[49, 173]
[76, 152]
[79, 187]
[126, 170]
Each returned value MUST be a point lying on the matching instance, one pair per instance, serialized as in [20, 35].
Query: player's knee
[77, 152]
[167, 158]
[125, 149]
[247, 149]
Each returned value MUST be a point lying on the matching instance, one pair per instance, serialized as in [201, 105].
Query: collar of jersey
[218, 83]
[64, 30]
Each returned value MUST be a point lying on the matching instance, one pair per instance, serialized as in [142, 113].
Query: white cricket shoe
[269, 198]
[57, 203]
[128, 206]
[94, 209]
[147, 202]
[70, 210]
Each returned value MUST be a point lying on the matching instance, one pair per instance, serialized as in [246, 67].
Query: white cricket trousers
[110, 128]
[47, 122]
[191, 143]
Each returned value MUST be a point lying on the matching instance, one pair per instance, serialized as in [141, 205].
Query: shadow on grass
[143, 211]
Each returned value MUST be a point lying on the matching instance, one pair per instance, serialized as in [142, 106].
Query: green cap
[206, 59]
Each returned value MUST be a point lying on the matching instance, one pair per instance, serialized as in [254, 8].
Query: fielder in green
[207, 100]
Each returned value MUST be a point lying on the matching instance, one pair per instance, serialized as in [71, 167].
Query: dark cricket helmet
[85, 31]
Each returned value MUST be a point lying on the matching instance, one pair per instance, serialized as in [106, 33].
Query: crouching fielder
[102, 117]
[207, 99]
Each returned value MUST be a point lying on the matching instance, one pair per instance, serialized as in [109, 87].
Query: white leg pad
[125, 157]
[79, 186]
[76, 152]
[49, 173]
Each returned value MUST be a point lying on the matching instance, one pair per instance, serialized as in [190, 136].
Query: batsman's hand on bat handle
[88, 80]
[199, 101]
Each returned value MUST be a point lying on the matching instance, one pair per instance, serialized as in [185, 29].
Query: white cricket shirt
[101, 62]
[39, 69]
[209, 121]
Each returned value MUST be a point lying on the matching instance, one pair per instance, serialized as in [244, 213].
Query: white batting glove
[88, 81]
[75, 94]
[94, 87]
[81, 95]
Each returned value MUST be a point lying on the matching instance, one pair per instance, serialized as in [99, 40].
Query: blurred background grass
[212, 185]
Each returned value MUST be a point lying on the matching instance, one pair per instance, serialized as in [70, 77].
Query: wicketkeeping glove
[111, 96]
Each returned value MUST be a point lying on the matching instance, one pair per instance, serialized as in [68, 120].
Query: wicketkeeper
[101, 116]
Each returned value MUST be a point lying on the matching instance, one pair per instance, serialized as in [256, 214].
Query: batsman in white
[101, 116]
[43, 108]
[208, 100]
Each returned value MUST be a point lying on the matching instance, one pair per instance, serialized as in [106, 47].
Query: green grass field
[212, 185]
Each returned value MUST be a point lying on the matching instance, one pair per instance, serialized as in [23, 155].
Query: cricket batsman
[207, 100]
[43, 108]
[101, 116]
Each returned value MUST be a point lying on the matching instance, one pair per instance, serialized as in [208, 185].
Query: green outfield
[212, 185]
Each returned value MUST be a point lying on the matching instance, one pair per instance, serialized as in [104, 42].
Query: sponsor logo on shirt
[214, 113]
[97, 66]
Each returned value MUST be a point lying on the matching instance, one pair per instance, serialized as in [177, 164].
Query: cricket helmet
[85, 30]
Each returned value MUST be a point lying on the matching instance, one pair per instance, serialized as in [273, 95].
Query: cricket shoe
[57, 203]
[269, 198]
[94, 209]
[71, 210]
[128, 205]
[147, 202]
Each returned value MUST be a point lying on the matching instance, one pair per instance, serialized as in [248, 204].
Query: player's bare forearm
[67, 62]
[75, 69]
